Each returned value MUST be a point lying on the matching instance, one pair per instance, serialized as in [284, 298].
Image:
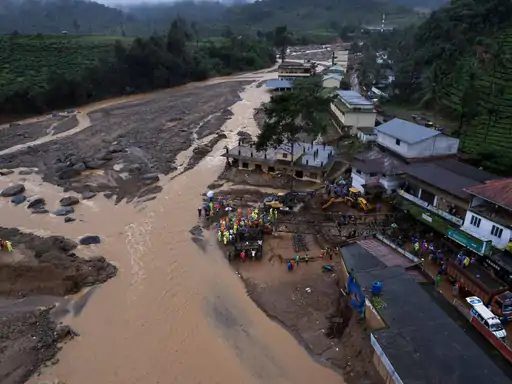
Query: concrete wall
[434, 146]
[391, 183]
[383, 365]
[331, 83]
[358, 181]
[483, 231]
[360, 119]
[309, 175]
[366, 138]
[338, 114]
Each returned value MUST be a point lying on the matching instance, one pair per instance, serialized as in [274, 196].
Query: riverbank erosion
[175, 312]
[38, 268]
[123, 148]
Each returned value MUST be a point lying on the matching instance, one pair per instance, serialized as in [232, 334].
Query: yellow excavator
[354, 197]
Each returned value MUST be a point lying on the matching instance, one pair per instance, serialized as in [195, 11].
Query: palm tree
[432, 86]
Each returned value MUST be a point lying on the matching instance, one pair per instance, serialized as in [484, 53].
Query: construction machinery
[288, 200]
[353, 198]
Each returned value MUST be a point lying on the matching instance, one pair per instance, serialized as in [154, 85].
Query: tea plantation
[29, 61]
[486, 90]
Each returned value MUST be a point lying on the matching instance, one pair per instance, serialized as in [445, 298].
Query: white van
[487, 318]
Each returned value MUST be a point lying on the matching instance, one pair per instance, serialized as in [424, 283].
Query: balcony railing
[430, 207]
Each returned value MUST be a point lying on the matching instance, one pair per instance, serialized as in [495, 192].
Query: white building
[412, 141]
[352, 111]
[341, 59]
[376, 168]
[366, 134]
[490, 212]
[332, 80]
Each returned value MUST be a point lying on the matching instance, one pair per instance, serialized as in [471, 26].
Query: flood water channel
[175, 313]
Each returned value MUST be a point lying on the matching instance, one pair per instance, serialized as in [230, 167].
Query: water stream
[174, 313]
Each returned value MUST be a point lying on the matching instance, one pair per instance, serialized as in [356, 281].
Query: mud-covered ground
[29, 335]
[140, 138]
[307, 301]
[14, 134]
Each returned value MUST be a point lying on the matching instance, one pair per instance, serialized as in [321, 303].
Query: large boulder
[5, 172]
[64, 211]
[37, 202]
[88, 195]
[18, 199]
[88, 240]
[69, 201]
[39, 211]
[94, 164]
[150, 178]
[68, 173]
[13, 190]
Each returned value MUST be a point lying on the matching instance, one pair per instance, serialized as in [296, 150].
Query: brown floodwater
[175, 313]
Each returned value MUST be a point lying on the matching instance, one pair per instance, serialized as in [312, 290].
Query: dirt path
[174, 313]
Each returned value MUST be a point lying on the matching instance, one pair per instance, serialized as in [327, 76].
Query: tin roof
[407, 132]
[498, 192]
[422, 341]
[278, 83]
[353, 98]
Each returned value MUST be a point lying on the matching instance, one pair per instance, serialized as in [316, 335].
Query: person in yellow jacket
[226, 237]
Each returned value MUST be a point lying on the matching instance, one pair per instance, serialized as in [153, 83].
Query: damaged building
[305, 161]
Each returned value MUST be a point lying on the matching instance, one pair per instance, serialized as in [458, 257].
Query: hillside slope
[89, 17]
[459, 60]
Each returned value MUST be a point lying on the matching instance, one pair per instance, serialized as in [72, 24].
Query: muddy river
[176, 312]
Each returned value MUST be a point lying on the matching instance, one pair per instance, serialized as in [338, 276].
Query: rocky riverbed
[122, 149]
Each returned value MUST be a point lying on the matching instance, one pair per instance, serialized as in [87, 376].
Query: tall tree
[304, 110]
[282, 40]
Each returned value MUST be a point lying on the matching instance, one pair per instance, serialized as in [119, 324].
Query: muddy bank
[47, 266]
[122, 144]
[29, 337]
[321, 319]
[15, 134]
[27, 341]
[261, 179]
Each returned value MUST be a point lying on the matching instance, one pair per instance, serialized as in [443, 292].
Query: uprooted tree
[302, 112]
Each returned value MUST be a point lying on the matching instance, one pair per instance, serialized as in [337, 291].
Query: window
[496, 231]
[245, 165]
[373, 174]
[475, 221]
[397, 141]
[285, 155]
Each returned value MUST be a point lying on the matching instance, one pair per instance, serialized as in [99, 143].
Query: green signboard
[474, 244]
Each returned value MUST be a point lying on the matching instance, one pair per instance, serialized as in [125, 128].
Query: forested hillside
[459, 60]
[88, 17]
[42, 72]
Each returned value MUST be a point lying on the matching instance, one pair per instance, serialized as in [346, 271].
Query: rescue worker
[297, 259]
[211, 206]
[8, 244]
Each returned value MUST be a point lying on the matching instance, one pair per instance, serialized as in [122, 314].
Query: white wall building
[332, 80]
[352, 111]
[490, 212]
[411, 140]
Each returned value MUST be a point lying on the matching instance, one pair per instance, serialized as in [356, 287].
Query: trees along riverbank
[45, 72]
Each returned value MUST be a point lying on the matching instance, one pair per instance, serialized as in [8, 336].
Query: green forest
[322, 18]
[457, 62]
[44, 72]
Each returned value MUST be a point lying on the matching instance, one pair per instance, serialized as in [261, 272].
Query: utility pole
[383, 23]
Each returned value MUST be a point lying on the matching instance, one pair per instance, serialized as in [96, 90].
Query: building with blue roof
[306, 161]
[352, 111]
[279, 85]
